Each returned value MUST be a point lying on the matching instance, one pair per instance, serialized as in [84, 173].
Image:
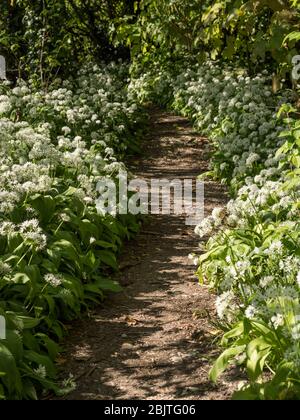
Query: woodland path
[154, 340]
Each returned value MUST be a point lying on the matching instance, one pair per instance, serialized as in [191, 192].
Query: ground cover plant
[56, 249]
[72, 111]
[253, 259]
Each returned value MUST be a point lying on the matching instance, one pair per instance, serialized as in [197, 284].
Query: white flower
[218, 215]
[4, 268]
[206, 227]
[266, 281]
[277, 321]
[5, 107]
[194, 259]
[254, 157]
[53, 280]
[6, 228]
[250, 312]
[65, 217]
[66, 130]
[41, 371]
[29, 226]
[225, 302]
[241, 267]
[228, 259]
[69, 384]
[298, 278]
[275, 248]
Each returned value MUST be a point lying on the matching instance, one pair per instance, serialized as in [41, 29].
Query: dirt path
[154, 341]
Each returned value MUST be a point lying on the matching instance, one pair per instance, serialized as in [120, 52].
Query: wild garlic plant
[253, 260]
[56, 251]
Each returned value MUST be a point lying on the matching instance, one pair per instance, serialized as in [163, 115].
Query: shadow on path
[154, 340]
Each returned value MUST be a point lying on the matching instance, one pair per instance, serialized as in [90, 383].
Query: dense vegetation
[43, 38]
[56, 248]
[226, 65]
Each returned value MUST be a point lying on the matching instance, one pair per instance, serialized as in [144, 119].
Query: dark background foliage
[46, 37]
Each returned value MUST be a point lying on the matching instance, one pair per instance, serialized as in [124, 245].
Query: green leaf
[257, 351]
[108, 258]
[45, 205]
[248, 394]
[104, 244]
[234, 333]
[293, 36]
[20, 278]
[14, 344]
[107, 284]
[223, 361]
[12, 379]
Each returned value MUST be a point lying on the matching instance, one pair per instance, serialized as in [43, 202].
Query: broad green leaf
[11, 379]
[223, 361]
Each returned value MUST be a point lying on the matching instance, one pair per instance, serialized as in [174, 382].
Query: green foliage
[201, 58]
[254, 33]
[57, 252]
[261, 347]
[43, 38]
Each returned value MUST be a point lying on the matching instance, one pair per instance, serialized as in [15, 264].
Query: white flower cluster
[236, 111]
[261, 232]
[60, 143]
[34, 150]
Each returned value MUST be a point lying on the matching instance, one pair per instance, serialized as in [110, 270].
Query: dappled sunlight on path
[154, 340]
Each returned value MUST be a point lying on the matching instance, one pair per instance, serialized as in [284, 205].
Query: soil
[156, 340]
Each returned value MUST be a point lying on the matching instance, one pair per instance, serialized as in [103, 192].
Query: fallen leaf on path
[130, 321]
[60, 361]
[214, 332]
[200, 314]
